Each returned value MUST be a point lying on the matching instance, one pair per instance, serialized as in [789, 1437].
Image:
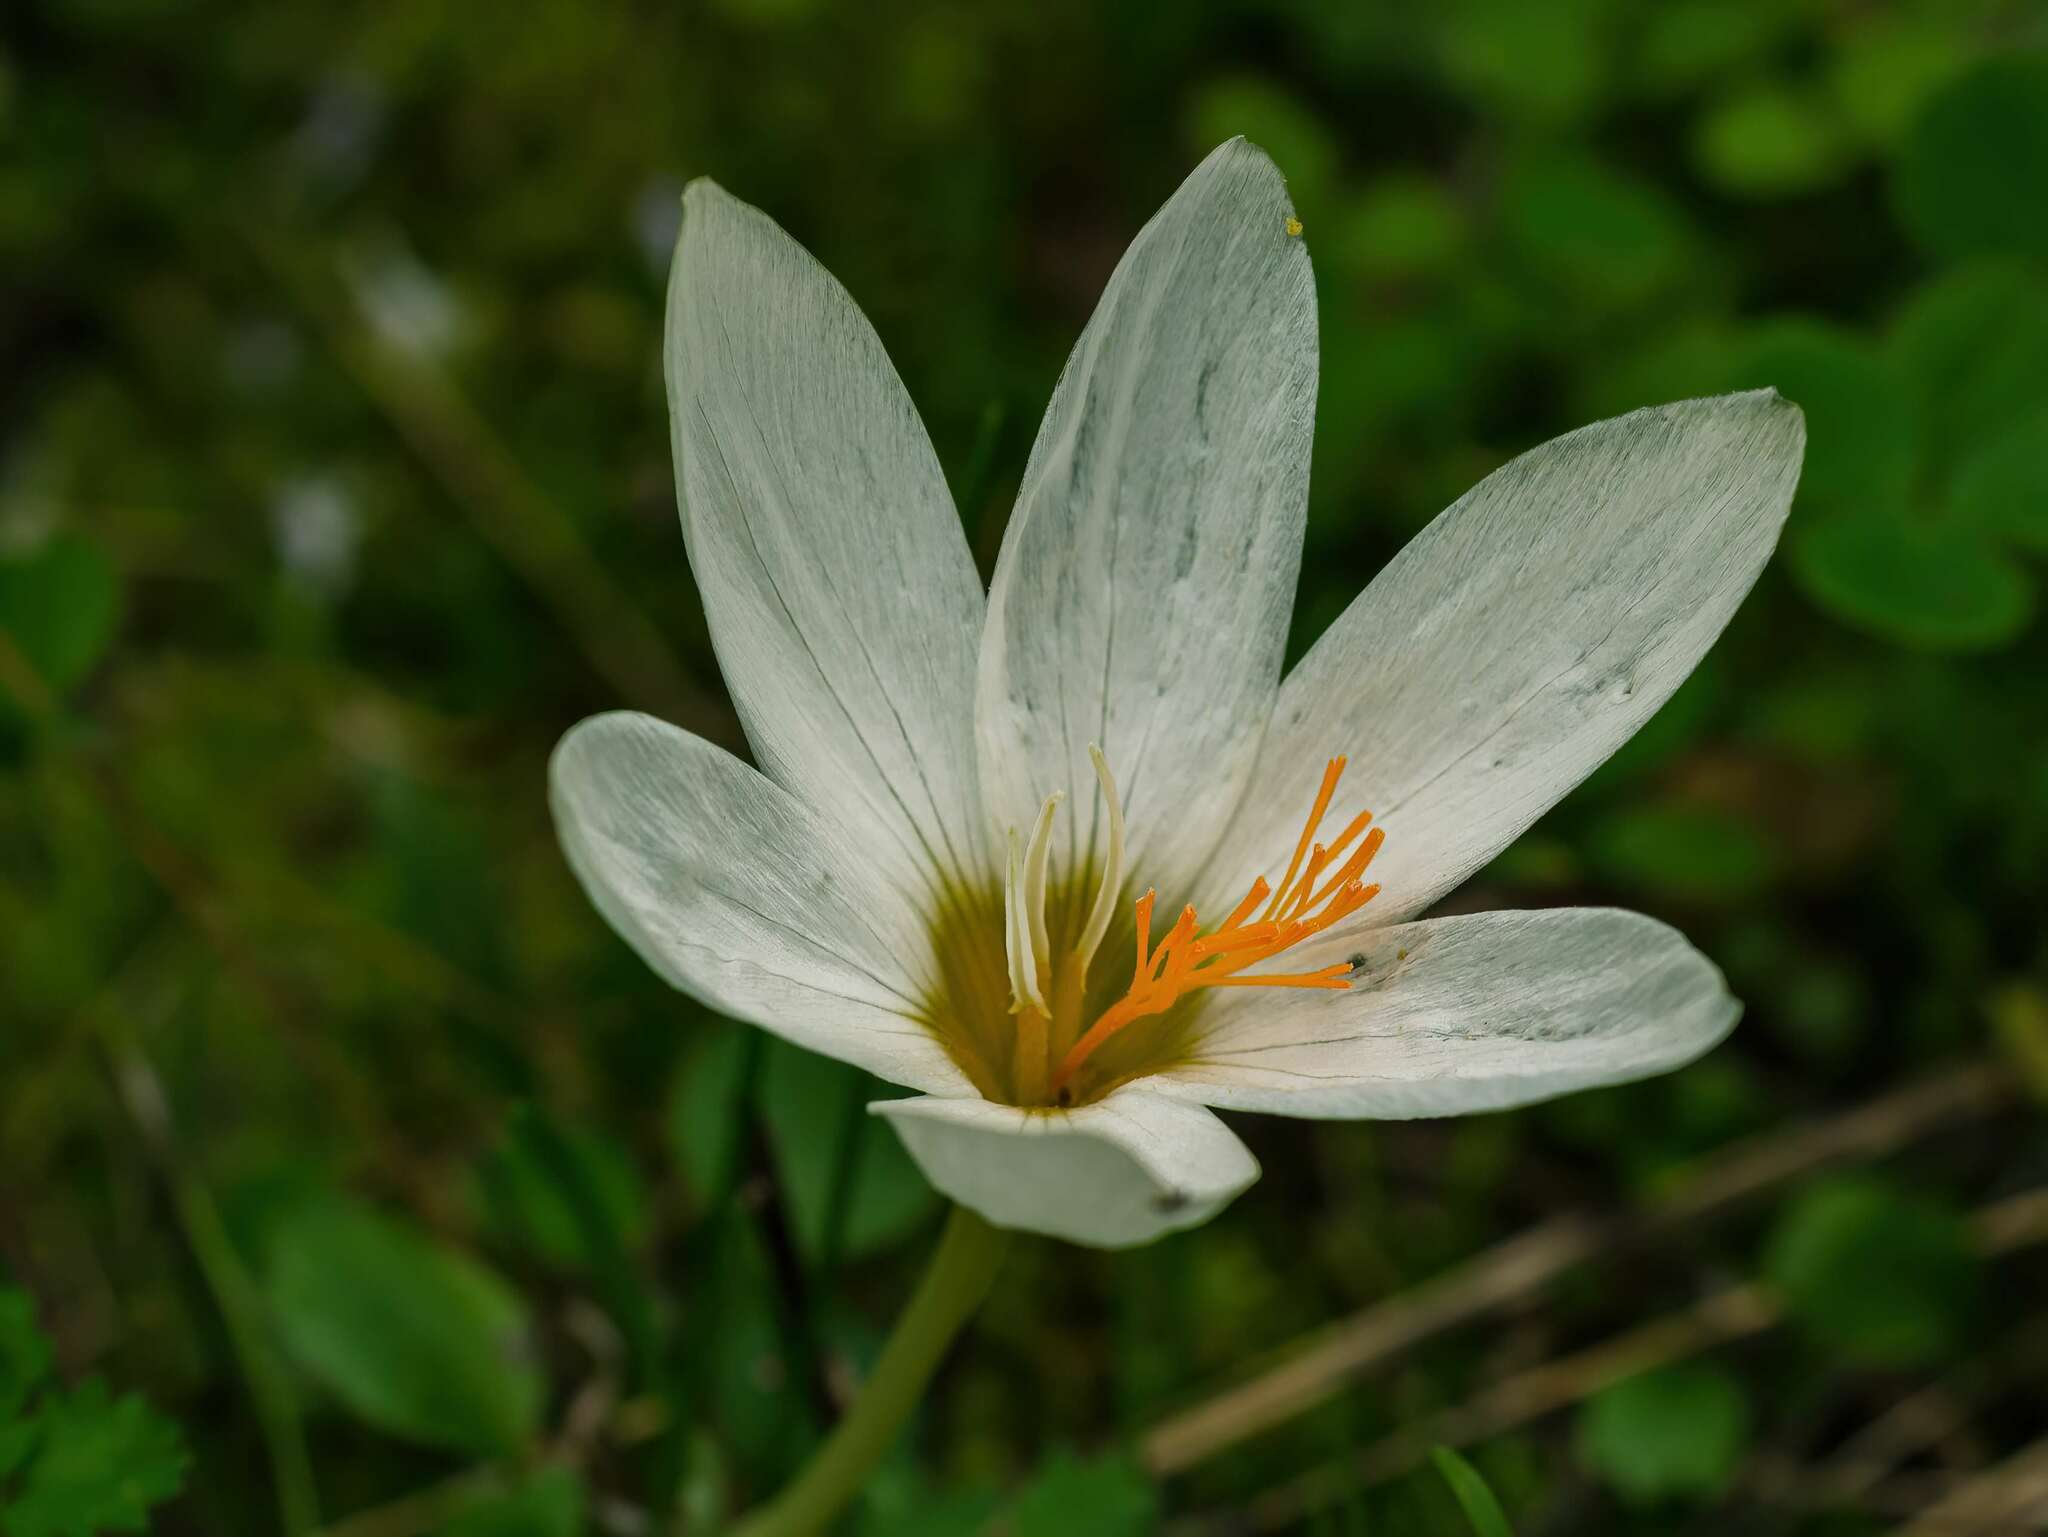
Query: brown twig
[1733, 1313]
[2009, 1500]
[1905, 1429]
[1523, 1264]
[1790, 1486]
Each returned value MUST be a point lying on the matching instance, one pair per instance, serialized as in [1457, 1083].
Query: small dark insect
[1065, 1098]
[1358, 964]
[1170, 1201]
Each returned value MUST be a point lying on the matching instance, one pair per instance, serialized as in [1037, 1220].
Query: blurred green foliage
[334, 485]
[1473, 1496]
[417, 1341]
[1675, 1432]
[1879, 1276]
[74, 1462]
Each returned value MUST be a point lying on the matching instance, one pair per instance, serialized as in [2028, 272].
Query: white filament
[1023, 963]
[1112, 869]
[1036, 858]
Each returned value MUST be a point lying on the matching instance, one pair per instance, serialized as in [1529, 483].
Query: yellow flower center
[1072, 1031]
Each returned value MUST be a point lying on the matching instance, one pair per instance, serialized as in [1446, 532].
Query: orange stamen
[1144, 923]
[1353, 867]
[1331, 774]
[1296, 910]
[1244, 909]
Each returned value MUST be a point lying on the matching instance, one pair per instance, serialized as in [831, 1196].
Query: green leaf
[1069, 1497]
[1862, 423]
[740, 1358]
[1547, 62]
[1768, 141]
[768, 13]
[433, 879]
[531, 1198]
[708, 1108]
[1677, 1432]
[1693, 358]
[24, 1364]
[576, 1195]
[1826, 719]
[1883, 72]
[1384, 371]
[1972, 176]
[549, 1504]
[1603, 235]
[1974, 347]
[828, 1149]
[1686, 43]
[900, 1502]
[24, 1352]
[100, 1464]
[1688, 853]
[60, 603]
[1933, 587]
[17, 1444]
[1822, 1009]
[2002, 489]
[416, 1339]
[1471, 1493]
[1399, 226]
[576, 1190]
[1884, 1279]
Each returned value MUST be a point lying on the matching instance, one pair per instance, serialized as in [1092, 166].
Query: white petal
[1522, 637]
[739, 895]
[1455, 1015]
[841, 596]
[1142, 594]
[1119, 1172]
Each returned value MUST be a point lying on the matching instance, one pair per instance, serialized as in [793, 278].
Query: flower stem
[952, 1288]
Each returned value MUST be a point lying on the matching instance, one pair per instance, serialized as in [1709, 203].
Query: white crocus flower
[1071, 858]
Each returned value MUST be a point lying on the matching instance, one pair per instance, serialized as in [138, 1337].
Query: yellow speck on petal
[1293, 225]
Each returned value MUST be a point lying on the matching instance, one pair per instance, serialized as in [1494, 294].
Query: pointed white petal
[1456, 1015]
[842, 599]
[1119, 1172]
[1142, 594]
[1522, 637]
[740, 895]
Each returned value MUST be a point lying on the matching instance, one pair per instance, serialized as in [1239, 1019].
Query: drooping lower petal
[1455, 1015]
[1525, 635]
[1119, 1172]
[737, 893]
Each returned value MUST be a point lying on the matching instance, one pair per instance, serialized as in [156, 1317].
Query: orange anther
[1295, 911]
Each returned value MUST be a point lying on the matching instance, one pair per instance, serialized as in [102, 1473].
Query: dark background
[334, 486]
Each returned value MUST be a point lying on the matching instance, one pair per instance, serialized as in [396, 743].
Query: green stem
[952, 1288]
